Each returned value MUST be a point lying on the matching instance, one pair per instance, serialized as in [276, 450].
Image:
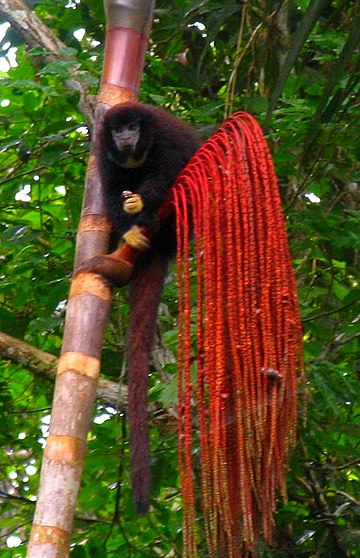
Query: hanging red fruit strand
[238, 392]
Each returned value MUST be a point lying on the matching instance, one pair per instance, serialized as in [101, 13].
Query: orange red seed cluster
[238, 385]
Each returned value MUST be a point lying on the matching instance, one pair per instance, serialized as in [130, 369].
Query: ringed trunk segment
[128, 25]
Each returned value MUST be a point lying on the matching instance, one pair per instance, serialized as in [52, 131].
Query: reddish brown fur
[169, 144]
[145, 292]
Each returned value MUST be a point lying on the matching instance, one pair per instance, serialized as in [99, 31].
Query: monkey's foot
[136, 239]
[133, 204]
[117, 271]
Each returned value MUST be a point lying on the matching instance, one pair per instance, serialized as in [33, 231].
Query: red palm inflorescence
[238, 385]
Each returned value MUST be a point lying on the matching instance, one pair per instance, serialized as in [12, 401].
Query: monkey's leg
[118, 266]
[117, 271]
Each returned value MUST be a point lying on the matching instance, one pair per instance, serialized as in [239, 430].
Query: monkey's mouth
[127, 149]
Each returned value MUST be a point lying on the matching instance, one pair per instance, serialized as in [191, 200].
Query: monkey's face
[128, 134]
[126, 137]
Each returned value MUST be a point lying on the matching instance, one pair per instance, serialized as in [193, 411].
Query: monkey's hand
[136, 239]
[133, 204]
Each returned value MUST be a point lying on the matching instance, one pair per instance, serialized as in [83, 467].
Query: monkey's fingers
[127, 194]
[133, 204]
[136, 239]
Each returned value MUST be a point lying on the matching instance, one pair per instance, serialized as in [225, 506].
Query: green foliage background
[296, 66]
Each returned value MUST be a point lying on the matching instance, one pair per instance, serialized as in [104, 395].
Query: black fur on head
[126, 113]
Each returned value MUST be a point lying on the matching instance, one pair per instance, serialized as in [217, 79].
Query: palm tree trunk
[128, 26]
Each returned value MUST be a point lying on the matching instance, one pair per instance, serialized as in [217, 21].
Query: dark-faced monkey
[141, 151]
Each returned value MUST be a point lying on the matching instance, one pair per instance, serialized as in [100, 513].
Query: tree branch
[108, 393]
[44, 364]
[34, 33]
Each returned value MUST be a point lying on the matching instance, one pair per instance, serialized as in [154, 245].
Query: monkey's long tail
[145, 290]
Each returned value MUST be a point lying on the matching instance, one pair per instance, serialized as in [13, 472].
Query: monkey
[141, 150]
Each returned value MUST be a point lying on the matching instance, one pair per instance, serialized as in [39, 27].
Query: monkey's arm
[143, 205]
[154, 190]
[135, 236]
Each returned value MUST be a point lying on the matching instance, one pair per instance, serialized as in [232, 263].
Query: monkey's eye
[133, 126]
[118, 129]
